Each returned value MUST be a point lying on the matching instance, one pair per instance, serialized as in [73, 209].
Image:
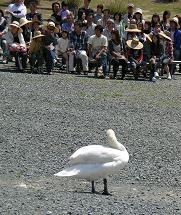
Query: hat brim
[14, 25]
[133, 30]
[35, 37]
[173, 20]
[134, 46]
[148, 37]
[165, 36]
[25, 23]
[56, 30]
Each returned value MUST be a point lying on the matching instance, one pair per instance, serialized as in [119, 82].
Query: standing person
[117, 56]
[16, 45]
[165, 24]
[97, 48]
[99, 13]
[49, 43]
[34, 14]
[64, 12]
[78, 48]
[16, 10]
[85, 9]
[129, 15]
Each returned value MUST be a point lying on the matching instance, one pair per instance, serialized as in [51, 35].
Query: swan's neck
[112, 140]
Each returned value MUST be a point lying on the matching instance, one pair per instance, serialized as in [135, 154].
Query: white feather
[97, 161]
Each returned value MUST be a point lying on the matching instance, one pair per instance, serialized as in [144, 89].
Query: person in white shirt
[62, 48]
[97, 48]
[16, 10]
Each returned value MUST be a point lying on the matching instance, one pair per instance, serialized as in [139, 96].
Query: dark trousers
[116, 63]
[20, 59]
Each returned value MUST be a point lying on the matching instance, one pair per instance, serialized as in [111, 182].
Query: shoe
[153, 79]
[169, 77]
[85, 72]
[107, 77]
[5, 60]
[156, 75]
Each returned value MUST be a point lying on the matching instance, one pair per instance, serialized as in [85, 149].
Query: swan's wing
[94, 154]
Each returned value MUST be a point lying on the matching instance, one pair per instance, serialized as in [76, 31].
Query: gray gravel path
[44, 119]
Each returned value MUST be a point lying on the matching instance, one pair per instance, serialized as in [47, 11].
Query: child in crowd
[62, 48]
[36, 52]
[135, 56]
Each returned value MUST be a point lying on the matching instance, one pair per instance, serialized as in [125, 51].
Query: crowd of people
[82, 39]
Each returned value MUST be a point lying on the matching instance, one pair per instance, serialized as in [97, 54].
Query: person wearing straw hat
[26, 27]
[176, 38]
[135, 56]
[167, 57]
[16, 44]
[49, 42]
[36, 52]
[131, 32]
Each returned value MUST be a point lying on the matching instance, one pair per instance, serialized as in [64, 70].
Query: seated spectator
[135, 56]
[141, 35]
[85, 9]
[155, 20]
[90, 27]
[49, 43]
[69, 25]
[62, 48]
[156, 53]
[97, 46]
[147, 48]
[99, 13]
[147, 27]
[16, 10]
[105, 17]
[165, 24]
[167, 57]
[16, 45]
[131, 32]
[176, 39]
[64, 12]
[117, 56]
[34, 14]
[108, 29]
[36, 53]
[56, 17]
[129, 15]
[138, 16]
[3, 24]
[78, 48]
[117, 19]
[26, 27]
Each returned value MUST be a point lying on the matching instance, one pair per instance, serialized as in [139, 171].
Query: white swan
[96, 161]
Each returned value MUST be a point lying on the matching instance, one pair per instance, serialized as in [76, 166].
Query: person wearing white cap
[138, 16]
[109, 27]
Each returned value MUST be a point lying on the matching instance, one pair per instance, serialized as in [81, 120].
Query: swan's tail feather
[70, 171]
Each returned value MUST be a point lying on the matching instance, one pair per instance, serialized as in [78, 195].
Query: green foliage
[74, 3]
[115, 6]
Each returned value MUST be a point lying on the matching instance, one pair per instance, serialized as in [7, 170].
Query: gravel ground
[44, 119]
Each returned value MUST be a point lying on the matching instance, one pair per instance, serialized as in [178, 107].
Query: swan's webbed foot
[105, 191]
